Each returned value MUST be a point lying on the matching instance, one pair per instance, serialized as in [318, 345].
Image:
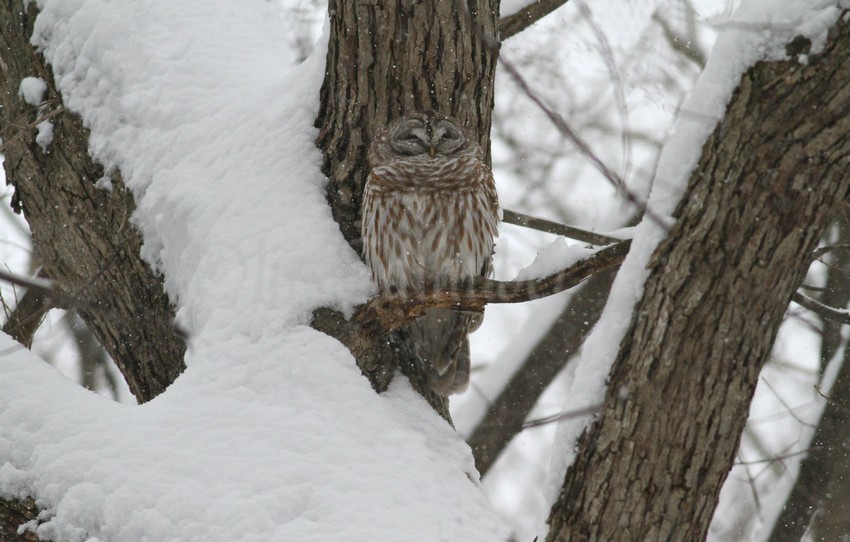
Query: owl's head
[425, 134]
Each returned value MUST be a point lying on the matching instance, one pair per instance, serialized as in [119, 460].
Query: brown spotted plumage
[430, 214]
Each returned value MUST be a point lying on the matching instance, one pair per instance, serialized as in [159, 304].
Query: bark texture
[769, 179]
[14, 513]
[82, 234]
[389, 58]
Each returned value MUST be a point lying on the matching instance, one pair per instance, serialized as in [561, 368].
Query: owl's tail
[439, 338]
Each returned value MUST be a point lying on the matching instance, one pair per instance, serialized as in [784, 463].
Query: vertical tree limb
[385, 59]
[769, 179]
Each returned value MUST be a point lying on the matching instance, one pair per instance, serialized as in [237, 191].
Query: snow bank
[272, 433]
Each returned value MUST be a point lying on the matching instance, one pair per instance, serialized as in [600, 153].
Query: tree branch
[27, 315]
[507, 412]
[824, 311]
[387, 313]
[556, 228]
[527, 16]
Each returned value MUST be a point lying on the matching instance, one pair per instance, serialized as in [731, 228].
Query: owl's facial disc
[447, 138]
[410, 138]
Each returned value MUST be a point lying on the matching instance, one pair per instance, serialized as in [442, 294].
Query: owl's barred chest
[429, 222]
[429, 237]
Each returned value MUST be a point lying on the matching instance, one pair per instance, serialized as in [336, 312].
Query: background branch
[506, 414]
[28, 313]
[556, 228]
[527, 16]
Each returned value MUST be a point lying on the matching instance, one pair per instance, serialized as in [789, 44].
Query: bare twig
[824, 311]
[556, 228]
[31, 126]
[593, 409]
[678, 43]
[776, 458]
[580, 143]
[821, 251]
[46, 288]
[527, 16]
[616, 84]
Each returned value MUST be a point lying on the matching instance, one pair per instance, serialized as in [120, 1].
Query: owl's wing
[490, 217]
[439, 338]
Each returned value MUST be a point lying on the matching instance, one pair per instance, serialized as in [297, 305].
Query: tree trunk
[385, 59]
[769, 179]
[83, 234]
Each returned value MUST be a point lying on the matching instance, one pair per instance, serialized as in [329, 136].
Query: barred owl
[429, 217]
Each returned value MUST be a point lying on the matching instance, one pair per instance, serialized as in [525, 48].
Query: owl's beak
[432, 150]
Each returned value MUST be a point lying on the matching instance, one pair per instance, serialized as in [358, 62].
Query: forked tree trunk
[771, 176]
[386, 59]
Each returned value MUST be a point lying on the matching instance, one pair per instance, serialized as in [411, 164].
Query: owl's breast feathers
[430, 229]
[426, 175]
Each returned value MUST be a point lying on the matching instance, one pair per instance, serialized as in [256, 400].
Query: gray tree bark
[770, 178]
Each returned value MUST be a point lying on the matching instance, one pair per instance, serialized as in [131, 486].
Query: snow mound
[271, 433]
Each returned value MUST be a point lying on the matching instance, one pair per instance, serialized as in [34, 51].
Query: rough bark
[82, 234]
[388, 58]
[820, 500]
[770, 176]
[14, 513]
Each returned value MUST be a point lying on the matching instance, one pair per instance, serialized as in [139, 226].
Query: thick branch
[82, 234]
